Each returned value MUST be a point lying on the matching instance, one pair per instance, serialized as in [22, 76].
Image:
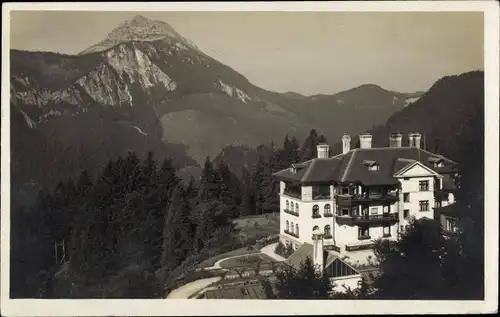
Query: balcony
[328, 215]
[368, 219]
[316, 215]
[331, 247]
[321, 196]
[327, 236]
[346, 200]
[359, 247]
[290, 212]
[293, 193]
[291, 233]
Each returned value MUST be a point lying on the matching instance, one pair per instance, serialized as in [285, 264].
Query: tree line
[135, 221]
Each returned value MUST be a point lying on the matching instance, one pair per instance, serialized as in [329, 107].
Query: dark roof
[302, 252]
[351, 167]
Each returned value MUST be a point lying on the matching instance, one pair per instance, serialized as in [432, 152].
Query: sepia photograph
[224, 154]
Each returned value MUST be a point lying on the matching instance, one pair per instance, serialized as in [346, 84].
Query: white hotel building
[360, 195]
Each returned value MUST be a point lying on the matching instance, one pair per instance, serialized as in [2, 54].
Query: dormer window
[371, 165]
[293, 170]
[436, 161]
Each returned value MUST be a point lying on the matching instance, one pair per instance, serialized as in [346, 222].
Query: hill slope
[451, 111]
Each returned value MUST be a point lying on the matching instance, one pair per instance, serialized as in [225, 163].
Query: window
[406, 213]
[287, 205]
[328, 209]
[406, 197]
[315, 210]
[406, 178]
[297, 229]
[287, 226]
[423, 186]
[374, 167]
[291, 207]
[345, 212]
[450, 225]
[386, 231]
[374, 211]
[345, 190]
[424, 205]
[315, 228]
[363, 232]
[292, 227]
[437, 203]
[328, 231]
[296, 207]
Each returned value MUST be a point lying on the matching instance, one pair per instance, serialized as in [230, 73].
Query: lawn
[257, 227]
[251, 229]
[246, 261]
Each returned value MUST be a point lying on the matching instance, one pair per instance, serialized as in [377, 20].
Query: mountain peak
[139, 20]
[139, 28]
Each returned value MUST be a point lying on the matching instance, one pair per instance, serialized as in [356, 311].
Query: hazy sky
[305, 52]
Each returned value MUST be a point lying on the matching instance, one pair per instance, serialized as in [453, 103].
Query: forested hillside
[449, 113]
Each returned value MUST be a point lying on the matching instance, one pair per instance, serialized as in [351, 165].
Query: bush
[284, 251]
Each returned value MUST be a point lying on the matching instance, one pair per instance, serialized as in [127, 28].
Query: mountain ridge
[166, 94]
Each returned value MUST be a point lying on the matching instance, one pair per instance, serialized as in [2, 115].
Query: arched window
[291, 207]
[292, 227]
[296, 207]
[297, 229]
[328, 209]
[287, 226]
[287, 205]
[315, 211]
[315, 228]
[328, 230]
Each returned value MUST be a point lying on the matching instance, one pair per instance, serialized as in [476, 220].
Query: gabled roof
[413, 164]
[334, 266]
[302, 252]
[351, 167]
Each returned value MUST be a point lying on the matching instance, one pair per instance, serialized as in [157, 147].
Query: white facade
[417, 192]
[415, 199]
[341, 284]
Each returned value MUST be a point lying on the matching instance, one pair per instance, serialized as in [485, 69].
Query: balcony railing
[328, 215]
[359, 247]
[293, 193]
[331, 247]
[325, 236]
[364, 238]
[346, 200]
[291, 233]
[316, 216]
[320, 196]
[368, 219]
[290, 212]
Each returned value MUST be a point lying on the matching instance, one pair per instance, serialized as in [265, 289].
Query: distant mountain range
[145, 87]
[449, 115]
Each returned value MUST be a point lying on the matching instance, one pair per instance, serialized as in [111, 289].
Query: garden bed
[249, 261]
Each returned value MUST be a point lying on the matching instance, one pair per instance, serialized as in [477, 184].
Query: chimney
[323, 150]
[346, 143]
[414, 139]
[318, 253]
[365, 140]
[395, 140]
